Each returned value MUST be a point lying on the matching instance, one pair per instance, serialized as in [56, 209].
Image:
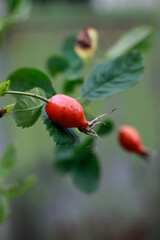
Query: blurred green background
[127, 204]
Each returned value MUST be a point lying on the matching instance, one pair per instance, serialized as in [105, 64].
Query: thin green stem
[29, 95]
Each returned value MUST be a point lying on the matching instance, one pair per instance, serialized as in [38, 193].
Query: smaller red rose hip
[130, 140]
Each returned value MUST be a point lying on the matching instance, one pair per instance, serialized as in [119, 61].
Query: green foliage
[137, 38]
[20, 187]
[68, 48]
[28, 109]
[76, 64]
[105, 79]
[8, 191]
[7, 109]
[21, 12]
[18, 11]
[110, 77]
[25, 79]
[105, 129]
[69, 85]
[86, 174]
[7, 162]
[57, 65]
[65, 165]
[3, 87]
[82, 164]
[15, 5]
[4, 208]
[62, 136]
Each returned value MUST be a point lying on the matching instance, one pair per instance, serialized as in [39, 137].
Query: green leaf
[76, 64]
[7, 109]
[105, 129]
[137, 38]
[68, 48]
[61, 136]
[21, 187]
[28, 109]
[15, 5]
[19, 10]
[82, 164]
[57, 65]
[25, 79]
[1, 29]
[86, 174]
[64, 152]
[7, 162]
[64, 165]
[65, 161]
[74, 71]
[70, 85]
[145, 45]
[4, 208]
[3, 87]
[110, 77]
[86, 171]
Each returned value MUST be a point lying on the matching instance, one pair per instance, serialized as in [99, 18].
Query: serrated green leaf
[137, 38]
[69, 85]
[25, 79]
[6, 110]
[76, 64]
[110, 77]
[3, 87]
[20, 187]
[61, 136]
[57, 64]
[7, 162]
[4, 208]
[28, 109]
[105, 129]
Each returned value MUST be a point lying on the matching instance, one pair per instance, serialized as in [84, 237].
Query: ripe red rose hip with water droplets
[69, 113]
[130, 140]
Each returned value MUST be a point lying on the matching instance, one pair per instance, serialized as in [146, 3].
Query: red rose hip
[69, 113]
[66, 111]
[130, 140]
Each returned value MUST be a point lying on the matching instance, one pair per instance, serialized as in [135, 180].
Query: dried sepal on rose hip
[86, 43]
[69, 113]
[131, 141]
